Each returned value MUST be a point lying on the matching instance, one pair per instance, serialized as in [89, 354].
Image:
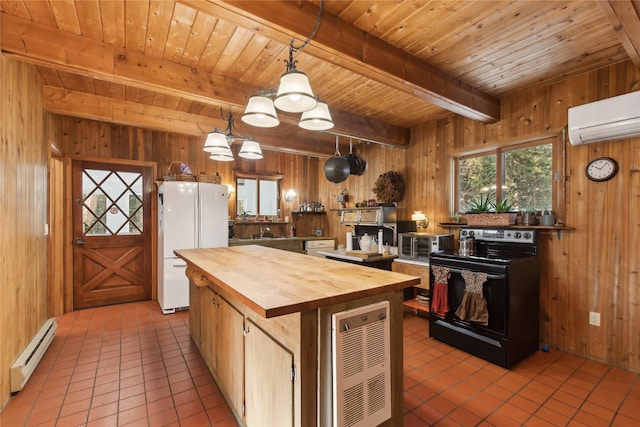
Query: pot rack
[358, 138]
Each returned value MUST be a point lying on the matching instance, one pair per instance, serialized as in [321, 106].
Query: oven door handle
[489, 276]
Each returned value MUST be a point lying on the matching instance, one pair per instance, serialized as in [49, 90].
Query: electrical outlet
[594, 318]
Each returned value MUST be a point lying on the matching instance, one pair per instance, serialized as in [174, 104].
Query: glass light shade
[418, 216]
[250, 150]
[260, 112]
[290, 195]
[317, 119]
[215, 139]
[294, 93]
[421, 219]
[221, 154]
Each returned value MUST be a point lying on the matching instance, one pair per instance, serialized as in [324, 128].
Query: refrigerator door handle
[179, 263]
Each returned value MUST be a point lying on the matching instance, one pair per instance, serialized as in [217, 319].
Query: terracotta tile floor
[130, 365]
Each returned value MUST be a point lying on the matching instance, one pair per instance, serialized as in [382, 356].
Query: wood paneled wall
[23, 210]
[592, 268]
[90, 138]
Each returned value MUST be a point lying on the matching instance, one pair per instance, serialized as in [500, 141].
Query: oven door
[495, 290]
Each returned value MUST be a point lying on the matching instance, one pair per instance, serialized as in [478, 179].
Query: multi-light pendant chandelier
[293, 95]
[218, 143]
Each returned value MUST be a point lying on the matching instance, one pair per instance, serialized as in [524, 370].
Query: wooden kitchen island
[261, 318]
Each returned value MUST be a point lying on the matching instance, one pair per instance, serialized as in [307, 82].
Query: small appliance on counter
[418, 246]
[231, 224]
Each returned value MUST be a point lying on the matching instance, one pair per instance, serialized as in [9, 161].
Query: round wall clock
[601, 169]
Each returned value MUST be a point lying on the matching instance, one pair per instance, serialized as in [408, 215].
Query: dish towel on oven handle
[440, 297]
[473, 307]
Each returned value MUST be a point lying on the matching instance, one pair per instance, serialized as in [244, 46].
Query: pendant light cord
[313, 33]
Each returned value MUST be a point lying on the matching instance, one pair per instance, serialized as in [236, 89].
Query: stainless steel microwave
[418, 246]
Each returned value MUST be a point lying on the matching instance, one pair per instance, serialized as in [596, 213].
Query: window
[522, 174]
[112, 202]
[258, 195]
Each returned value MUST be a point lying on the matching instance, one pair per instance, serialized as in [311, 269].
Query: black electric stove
[508, 258]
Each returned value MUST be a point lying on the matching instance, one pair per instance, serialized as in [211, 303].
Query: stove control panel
[521, 235]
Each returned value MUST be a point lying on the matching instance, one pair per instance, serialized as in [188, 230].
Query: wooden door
[268, 380]
[230, 351]
[209, 327]
[111, 222]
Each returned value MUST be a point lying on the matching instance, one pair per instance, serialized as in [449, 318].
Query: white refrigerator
[190, 215]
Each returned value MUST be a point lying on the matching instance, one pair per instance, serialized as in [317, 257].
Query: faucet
[265, 230]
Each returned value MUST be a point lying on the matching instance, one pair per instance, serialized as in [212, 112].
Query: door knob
[80, 241]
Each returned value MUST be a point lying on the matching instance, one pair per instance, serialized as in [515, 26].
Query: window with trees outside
[521, 174]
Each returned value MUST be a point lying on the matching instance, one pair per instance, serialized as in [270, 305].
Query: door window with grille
[112, 202]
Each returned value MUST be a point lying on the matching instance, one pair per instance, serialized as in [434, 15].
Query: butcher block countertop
[273, 282]
[355, 256]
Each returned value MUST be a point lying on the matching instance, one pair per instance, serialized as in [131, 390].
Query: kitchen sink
[261, 238]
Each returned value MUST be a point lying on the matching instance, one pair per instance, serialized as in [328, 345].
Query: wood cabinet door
[268, 380]
[194, 313]
[209, 327]
[230, 345]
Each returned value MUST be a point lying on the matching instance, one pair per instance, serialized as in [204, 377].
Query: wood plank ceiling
[382, 66]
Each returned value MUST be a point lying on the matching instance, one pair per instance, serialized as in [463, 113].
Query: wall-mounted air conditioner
[605, 120]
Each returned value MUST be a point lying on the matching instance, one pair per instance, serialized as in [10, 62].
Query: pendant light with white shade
[317, 119]
[218, 143]
[293, 95]
[260, 112]
[250, 150]
[222, 155]
[294, 92]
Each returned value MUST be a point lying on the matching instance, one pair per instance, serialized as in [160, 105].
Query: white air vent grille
[361, 371]
[376, 388]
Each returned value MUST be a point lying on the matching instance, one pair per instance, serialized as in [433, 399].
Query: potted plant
[244, 215]
[485, 212]
[481, 205]
[503, 206]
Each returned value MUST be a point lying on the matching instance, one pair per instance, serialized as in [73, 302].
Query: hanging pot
[354, 164]
[337, 169]
[362, 166]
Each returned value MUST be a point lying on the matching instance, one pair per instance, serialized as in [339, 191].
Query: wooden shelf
[238, 222]
[308, 213]
[416, 306]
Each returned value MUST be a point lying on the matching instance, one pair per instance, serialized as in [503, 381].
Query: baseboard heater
[26, 363]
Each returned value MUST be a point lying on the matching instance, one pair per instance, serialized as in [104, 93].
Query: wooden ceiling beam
[356, 50]
[42, 45]
[624, 17]
[95, 107]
